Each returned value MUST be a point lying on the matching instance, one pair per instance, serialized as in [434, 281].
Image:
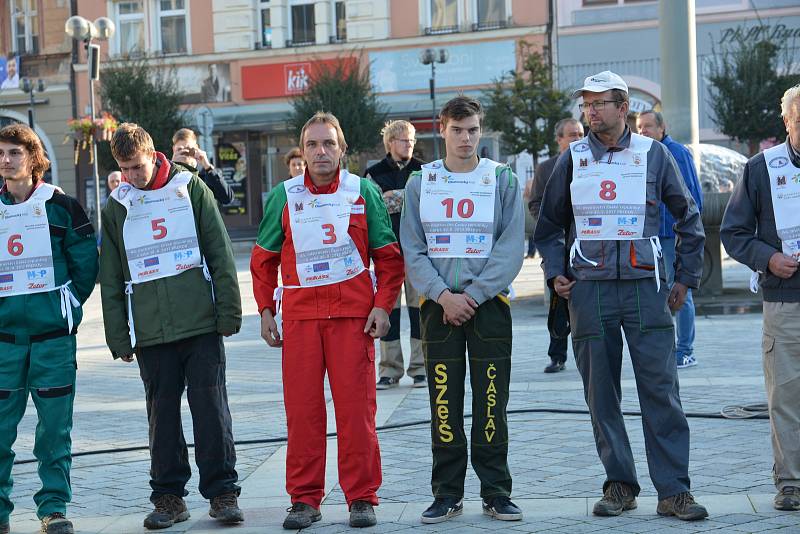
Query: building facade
[240, 62]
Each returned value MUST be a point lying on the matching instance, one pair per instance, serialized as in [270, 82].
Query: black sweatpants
[198, 365]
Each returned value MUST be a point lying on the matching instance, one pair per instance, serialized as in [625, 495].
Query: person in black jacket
[391, 174]
[186, 152]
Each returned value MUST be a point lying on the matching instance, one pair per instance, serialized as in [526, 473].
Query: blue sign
[468, 64]
[9, 72]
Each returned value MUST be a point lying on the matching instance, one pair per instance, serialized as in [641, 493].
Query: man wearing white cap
[602, 201]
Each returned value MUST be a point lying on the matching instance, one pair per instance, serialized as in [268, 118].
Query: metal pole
[30, 109]
[93, 148]
[433, 106]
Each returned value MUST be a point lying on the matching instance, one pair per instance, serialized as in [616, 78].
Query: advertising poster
[9, 72]
[232, 161]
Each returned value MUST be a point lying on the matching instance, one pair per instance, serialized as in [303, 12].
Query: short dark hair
[184, 134]
[620, 96]
[129, 140]
[459, 108]
[560, 125]
[657, 115]
[292, 154]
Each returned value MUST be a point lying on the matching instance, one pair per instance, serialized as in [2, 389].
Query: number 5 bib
[457, 210]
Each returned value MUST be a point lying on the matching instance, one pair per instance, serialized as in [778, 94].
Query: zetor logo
[296, 75]
[471, 250]
[625, 233]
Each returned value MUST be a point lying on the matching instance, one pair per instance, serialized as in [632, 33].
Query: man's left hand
[377, 323]
[202, 159]
[677, 296]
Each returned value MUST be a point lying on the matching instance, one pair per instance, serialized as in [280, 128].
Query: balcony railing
[439, 30]
[490, 25]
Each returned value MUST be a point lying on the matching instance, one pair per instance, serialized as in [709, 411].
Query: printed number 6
[329, 234]
[159, 230]
[15, 247]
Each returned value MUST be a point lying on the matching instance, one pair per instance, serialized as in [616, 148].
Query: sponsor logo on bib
[581, 147]
[6, 278]
[297, 188]
[777, 163]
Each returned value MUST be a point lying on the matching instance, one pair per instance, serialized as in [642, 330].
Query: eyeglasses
[406, 141]
[597, 105]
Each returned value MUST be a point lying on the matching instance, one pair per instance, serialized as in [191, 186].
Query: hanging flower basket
[84, 131]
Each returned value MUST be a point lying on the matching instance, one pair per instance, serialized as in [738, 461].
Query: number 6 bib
[457, 210]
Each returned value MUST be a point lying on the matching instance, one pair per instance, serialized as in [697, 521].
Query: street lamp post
[431, 57]
[84, 30]
[29, 87]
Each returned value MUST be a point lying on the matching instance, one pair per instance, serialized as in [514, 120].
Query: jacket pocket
[641, 255]
[592, 250]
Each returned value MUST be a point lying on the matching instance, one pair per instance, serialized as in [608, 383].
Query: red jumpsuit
[323, 331]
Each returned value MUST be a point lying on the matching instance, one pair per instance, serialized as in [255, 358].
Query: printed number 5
[329, 234]
[15, 247]
[159, 230]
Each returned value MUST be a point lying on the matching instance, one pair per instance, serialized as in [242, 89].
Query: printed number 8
[607, 190]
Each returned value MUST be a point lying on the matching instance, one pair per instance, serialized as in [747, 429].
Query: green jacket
[74, 247]
[176, 307]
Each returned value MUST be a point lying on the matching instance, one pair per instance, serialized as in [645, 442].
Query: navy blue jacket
[686, 165]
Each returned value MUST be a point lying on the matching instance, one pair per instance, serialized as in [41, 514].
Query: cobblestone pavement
[557, 475]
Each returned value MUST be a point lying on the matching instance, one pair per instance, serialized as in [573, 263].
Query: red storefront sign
[283, 79]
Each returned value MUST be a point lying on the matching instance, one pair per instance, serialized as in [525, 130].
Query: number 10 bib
[457, 210]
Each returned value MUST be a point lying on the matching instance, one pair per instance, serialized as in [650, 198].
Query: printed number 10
[465, 208]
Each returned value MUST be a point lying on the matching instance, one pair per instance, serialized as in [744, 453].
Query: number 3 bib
[324, 252]
[457, 210]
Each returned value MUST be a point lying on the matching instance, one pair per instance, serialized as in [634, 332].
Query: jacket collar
[325, 189]
[162, 176]
[599, 149]
[793, 154]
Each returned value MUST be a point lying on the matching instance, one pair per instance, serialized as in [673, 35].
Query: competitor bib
[159, 233]
[609, 198]
[784, 182]
[26, 257]
[457, 210]
[324, 252]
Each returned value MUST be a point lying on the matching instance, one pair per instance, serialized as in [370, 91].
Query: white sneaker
[687, 361]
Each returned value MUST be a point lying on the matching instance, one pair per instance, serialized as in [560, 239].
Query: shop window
[266, 24]
[24, 26]
[302, 24]
[341, 22]
[490, 14]
[443, 16]
[172, 26]
[130, 27]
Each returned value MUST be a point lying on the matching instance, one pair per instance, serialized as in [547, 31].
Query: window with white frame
[266, 24]
[130, 27]
[341, 22]
[24, 26]
[172, 26]
[490, 13]
[443, 15]
[301, 22]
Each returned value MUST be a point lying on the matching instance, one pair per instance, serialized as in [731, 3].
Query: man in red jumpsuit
[322, 228]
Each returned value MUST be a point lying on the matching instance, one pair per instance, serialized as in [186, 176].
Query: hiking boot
[169, 509]
[683, 507]
[617, 498]
[225, 509]
[419, 381]
[385, 383]
[301, 515]
[442, 509]
[502, 508]
[555, 366]
[788, 499]
[55, 523]
[362, 514]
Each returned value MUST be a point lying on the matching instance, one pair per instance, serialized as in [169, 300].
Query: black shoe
[502, 508]
[362, 514]
[170, 509]
[617, 498]
[301, 515]
[5, 528]
[419, 381]
[55, 523]
[442, 509]
[787, 499]
[225, 509]
[555, 366]
[683, 507]
[385, 383]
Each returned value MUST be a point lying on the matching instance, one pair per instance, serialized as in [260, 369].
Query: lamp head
[78, 28]
[105, 28]
[427, 56]
[444, 55]
[26, 85]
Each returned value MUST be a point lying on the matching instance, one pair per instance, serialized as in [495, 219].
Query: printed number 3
[15, 247]
[330, 235]
[159, 230]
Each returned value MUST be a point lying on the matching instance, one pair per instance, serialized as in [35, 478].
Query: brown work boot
[788, 499]
[225, 509]
[683, 507]
[56, 523]
[617, 498]
[169, 509]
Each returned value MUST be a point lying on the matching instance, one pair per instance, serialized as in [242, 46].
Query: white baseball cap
[600, 83]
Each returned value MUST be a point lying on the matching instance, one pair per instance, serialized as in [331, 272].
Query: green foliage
[136, 91]
[344, 89]
[524, 106]
[746, 87]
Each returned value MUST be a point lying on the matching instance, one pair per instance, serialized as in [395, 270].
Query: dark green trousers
[487, 338]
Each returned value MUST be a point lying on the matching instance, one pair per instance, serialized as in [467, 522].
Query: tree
[136, 91]
[524, 106]
[746, 87]
[344, 89]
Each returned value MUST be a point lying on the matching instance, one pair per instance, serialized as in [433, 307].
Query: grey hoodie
[480, 278]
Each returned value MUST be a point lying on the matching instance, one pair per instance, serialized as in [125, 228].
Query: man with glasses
[391, 175]
[602, 201]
